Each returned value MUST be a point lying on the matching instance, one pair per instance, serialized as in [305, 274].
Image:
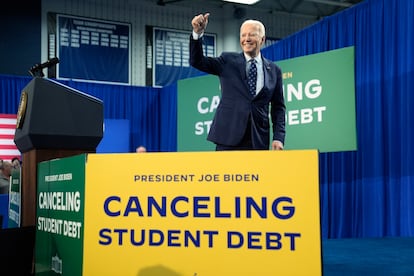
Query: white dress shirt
[260, 73]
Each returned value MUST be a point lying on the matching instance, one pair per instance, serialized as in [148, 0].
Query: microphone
[36, 70]
[49, 63]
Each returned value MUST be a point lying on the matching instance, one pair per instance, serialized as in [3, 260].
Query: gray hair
[5, 164]
[262, 30]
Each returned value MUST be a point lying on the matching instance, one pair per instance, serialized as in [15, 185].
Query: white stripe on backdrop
[8, 149]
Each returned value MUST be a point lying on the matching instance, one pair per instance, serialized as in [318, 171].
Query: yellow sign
[202, 213]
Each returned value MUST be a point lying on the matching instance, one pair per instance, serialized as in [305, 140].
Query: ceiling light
[329, 2]
[246, 2]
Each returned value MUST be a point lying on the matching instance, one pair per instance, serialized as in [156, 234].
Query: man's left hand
[277, 145]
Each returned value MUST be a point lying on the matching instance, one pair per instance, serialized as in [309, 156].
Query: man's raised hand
[200, 22]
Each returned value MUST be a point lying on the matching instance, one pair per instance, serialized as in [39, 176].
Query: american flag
[8, 149]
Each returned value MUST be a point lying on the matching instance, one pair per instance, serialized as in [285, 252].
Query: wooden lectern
[53, 121]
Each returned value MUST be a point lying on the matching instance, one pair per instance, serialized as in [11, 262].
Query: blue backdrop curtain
[151, 111]
[364, 193]
[369, 192]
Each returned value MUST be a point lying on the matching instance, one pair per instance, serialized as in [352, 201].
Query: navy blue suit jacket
[237, 106]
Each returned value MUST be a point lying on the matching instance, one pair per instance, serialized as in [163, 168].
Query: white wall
[140, 13]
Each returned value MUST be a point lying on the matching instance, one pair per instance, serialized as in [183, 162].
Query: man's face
[250, 39]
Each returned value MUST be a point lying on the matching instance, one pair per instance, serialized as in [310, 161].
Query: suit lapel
[266, 72]
[241, 64]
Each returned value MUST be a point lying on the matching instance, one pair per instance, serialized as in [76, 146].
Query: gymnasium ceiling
[314, 8]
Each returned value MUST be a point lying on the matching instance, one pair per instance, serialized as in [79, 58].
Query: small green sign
[60, 216]
[15, 199]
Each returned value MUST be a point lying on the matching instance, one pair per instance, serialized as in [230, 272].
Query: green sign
[15, 199]
[60, 216]
[319, 94]
[198, 99]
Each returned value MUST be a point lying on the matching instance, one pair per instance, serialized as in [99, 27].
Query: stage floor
[368, 256]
